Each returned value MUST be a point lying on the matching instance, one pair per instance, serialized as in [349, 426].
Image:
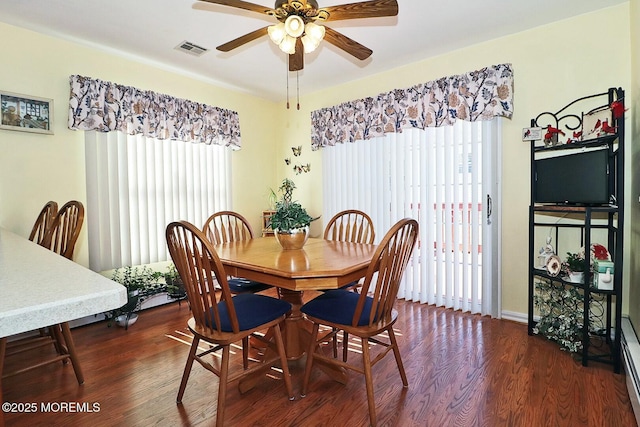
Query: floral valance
[104, 106]
[478, 95]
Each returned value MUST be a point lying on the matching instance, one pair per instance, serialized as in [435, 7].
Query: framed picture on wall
[26, 113]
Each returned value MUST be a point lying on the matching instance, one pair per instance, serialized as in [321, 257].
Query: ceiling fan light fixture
[288, 44]
[276, 33]
[309, 44]
[314, 31]
[294, 26]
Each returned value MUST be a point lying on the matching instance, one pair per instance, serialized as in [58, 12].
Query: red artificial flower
[599, 252]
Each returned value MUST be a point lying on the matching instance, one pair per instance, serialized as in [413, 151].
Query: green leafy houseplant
[175, 287]
[289, 215]
[574, 262]
[561, 310]
[141, 282]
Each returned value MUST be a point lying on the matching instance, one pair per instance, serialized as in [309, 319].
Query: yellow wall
[553, 65]
[35, 168]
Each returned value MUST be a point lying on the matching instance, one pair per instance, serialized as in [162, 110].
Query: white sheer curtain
[442, 177]
[137, 185]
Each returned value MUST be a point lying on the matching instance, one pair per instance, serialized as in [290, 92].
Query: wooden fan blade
[239, 4]
[345, 43]
[242, 40]
[296, 61]
[365, 9]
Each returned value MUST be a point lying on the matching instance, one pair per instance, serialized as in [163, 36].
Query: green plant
[141, 282]
[175, 287]
[574, 262]
[288, 214]
[140, 279]
[273, 199]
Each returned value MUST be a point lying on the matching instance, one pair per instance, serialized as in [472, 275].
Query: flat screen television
[580, 179]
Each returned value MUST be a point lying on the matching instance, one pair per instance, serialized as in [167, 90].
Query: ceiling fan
[298, 31]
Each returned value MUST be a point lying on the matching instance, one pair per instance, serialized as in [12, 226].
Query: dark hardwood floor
[463, 370]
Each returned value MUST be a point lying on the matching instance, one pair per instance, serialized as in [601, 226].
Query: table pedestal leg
[297, 337]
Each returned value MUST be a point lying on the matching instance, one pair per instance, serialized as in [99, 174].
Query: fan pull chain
[287, 89]
[298, 88]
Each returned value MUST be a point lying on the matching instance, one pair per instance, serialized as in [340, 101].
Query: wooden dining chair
[41, 227]
[367, 314]
[61, 238]
[354, 226]
[350, 226]
[219, 318]
[43, 222]
[65, 229]
[228, 226]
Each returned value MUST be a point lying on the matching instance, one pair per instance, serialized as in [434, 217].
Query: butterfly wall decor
[297, 150]
[298, 169]
[287, 161]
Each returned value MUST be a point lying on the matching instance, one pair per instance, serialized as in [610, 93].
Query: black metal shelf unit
[601, 309]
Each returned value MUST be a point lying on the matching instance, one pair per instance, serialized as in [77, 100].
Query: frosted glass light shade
[288, 45]
[314, 31]
[294, 26]
[276, 33]
[309, 43]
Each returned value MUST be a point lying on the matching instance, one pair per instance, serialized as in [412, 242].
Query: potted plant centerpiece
[290, 221]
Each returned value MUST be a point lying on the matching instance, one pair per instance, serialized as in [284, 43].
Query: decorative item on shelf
[603, 275]
[290, 221]
[553, 265]
[545, 253]
[551, 136]
[617, 109]
[575, 263]
[592, 123]
[574, 267]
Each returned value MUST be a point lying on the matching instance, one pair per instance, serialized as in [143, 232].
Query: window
[137, 185]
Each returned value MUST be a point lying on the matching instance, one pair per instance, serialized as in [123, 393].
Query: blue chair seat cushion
[338, 306]
[239, 285]
[252, 310]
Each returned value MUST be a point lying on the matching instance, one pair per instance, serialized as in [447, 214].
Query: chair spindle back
[386, 268]
[227, 226]
[43, 223]
[350, 226]
[199, 266]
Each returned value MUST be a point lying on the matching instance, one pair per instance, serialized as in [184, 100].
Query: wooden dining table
[40, 288]
[320, 265]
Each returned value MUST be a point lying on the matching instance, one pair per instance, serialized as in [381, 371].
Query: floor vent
[191, 49]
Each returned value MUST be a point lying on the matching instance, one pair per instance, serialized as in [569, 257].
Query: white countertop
[39, 288]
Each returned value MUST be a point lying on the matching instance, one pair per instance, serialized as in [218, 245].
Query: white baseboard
[515, 316]
[631, 363]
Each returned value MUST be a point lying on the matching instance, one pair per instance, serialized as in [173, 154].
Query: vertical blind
[436, 177]
[136, 185]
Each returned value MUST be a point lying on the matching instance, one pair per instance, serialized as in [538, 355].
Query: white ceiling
[149, 30]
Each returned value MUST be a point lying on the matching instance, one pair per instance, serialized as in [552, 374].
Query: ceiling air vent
[191, 49]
